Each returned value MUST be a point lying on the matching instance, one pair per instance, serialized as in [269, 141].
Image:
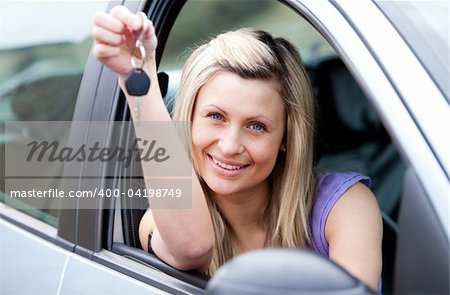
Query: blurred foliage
[200, 20]
[49, 57]
[38, 82]
[41, 81]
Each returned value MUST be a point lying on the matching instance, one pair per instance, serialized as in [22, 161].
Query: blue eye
[216, 117]
[258, 127]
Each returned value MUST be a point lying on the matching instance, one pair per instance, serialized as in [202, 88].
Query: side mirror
[283, 271]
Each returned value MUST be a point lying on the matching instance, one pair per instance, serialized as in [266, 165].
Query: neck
[244, 211]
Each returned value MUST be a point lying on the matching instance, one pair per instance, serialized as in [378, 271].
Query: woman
[251, 143]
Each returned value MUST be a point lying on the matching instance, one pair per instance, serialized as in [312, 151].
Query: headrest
[345, 115]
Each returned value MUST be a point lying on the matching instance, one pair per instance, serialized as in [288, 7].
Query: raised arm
[183, 238]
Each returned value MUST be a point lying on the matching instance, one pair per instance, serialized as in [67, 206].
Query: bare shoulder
[146, 227]
[357, 205]
[354, 232]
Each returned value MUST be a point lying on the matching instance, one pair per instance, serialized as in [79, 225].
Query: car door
[100, 238]
[43, 93]
[40, 77]
[405, 87]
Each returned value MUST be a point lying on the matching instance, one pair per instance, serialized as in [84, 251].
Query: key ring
[137, 82]
[139, 45]
[143, 55]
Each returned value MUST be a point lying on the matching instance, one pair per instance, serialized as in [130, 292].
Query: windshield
[424, 25]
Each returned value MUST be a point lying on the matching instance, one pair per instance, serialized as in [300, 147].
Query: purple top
[329, 188]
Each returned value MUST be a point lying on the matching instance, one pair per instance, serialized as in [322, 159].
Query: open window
[39, 80]
[351, 135]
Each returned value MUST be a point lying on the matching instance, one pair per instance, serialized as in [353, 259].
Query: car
[379, 71]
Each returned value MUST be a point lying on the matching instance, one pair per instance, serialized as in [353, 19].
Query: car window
[351, 136]
[201, 20]
[189, 31]
[42, 60]
[349, 130]
[197, 22]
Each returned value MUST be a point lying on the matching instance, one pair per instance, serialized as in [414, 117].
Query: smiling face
[237, 133]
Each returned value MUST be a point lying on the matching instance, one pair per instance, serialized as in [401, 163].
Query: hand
[115, 37]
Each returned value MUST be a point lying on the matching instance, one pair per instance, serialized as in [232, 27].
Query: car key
[137, 81]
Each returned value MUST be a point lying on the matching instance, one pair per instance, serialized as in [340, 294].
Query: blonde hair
[254, 54]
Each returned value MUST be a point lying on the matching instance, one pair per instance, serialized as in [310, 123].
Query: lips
[231, 166]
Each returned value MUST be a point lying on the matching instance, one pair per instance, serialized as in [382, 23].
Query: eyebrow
[214, 106]
[249, 119]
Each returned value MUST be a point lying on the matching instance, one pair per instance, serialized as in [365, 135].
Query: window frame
[350, 45]
[89, 233]
[303, 10]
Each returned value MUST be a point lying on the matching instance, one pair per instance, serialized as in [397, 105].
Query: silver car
[380, 74]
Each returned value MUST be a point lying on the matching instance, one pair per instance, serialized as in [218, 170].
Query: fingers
[127, 18]
[104, 51]
[102, 35]
[122, 22]
[150, 30]
[134, 23]
[115, 35]
[108, 22]
[107, 34]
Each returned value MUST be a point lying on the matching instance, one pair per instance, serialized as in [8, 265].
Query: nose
[230, 142]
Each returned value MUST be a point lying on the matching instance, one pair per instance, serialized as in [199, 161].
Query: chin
[222, 188]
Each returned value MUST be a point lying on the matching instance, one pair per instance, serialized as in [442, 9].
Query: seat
[351, 137]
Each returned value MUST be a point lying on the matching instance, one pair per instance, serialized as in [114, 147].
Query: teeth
[225, 166]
